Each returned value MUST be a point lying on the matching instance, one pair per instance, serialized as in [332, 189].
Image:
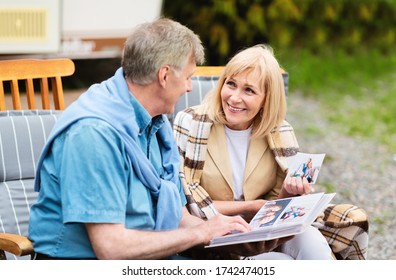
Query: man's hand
[220, 225]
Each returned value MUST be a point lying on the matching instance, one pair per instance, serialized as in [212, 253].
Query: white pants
[269, 256]
[309, 245]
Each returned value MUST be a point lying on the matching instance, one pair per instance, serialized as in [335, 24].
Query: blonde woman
[234, 146]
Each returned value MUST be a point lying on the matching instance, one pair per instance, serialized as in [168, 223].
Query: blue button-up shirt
[88, 178]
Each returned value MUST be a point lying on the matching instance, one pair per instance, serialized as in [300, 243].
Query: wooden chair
[29, 70]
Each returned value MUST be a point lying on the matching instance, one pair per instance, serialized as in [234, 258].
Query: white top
[238, 145]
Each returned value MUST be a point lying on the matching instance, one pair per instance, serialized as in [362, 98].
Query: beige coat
[263, 176]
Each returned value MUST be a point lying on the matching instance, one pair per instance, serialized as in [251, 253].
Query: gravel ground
[359, 171]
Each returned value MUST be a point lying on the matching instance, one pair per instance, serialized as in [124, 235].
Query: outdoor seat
[24, 128]
[23, 134]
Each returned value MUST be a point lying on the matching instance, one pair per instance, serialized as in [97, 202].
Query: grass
[357, 92]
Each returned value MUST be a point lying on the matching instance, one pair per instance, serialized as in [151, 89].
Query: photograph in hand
[306, 165]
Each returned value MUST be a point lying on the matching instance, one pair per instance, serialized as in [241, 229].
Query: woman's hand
[293, 186]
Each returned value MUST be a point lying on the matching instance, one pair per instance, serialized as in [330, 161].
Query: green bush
[340, 52]
[226, 26]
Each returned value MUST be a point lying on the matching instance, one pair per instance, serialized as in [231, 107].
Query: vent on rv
[29, 27]
[23, 24]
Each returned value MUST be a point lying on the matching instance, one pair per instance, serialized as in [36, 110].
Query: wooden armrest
[16, 244]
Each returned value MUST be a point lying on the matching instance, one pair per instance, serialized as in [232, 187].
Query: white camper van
[78, 29]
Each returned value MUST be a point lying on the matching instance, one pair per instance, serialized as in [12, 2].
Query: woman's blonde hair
[261, 62]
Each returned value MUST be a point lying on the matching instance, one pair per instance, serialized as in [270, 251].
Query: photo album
[287, 216]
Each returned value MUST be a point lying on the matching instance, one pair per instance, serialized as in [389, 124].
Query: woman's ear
[163, 75]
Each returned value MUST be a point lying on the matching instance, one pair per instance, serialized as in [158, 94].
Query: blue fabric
[111, 101]
[94, 191]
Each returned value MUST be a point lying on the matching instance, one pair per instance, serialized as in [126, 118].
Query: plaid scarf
[344, 226]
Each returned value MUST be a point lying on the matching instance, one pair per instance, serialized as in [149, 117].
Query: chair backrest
[29, 71]
[22, 138]
[203, 80]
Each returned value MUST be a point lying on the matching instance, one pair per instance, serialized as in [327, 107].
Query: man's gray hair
[152, 45]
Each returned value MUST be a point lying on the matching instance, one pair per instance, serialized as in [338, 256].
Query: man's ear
[163, 75]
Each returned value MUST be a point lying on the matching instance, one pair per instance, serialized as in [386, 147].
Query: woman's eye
[249, 90]
[231, 83]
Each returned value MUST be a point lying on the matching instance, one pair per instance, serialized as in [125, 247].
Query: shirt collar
[143, 118]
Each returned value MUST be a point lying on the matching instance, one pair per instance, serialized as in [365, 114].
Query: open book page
[279, 218]
[295, 210]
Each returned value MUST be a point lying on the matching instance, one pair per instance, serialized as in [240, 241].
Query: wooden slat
[30, 94]
[44, 90]
[35, 68]
[2, 97]
[57, 90]
[16, 100]
[208, 70]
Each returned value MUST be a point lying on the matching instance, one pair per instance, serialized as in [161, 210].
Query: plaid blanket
[344, 226]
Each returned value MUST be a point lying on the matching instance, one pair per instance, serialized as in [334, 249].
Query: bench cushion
[22, 137]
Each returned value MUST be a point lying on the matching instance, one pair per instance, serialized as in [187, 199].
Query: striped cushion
[201, 85]
[22, 137]
[16, 197]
